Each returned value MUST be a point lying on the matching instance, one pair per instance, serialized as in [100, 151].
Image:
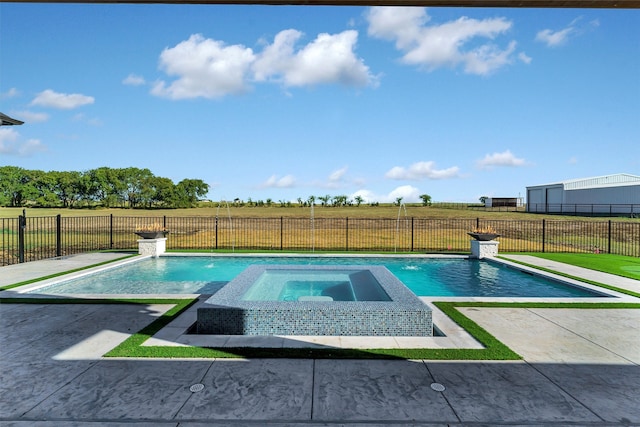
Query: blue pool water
[424, 276]
[340, 284]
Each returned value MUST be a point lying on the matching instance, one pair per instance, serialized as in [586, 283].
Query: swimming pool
[425, 276]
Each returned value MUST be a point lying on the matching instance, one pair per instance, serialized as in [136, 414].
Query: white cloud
[335, 180]
[560, 37]
[421, 170]
[63, 101]
[338, 174]
[11, 144]
[8, 135]
[408, 193]
[274, 181]
[209, 68]
[330, 58]
[133, 80]
[367, 196]
[31, 146]
[32, 117]
[442, 45]
[554, 38]
[506, 158]
[487, 58]
[80, 117]
[11, 93]
[204, 68]
[524, 58]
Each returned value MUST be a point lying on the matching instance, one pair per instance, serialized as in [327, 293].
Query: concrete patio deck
[580, 367]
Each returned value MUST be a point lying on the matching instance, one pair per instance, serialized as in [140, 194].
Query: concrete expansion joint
[442, 392]
[568, 392]
[591, 341]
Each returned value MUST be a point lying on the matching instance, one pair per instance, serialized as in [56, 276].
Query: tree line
[107, 187]
[327, 200]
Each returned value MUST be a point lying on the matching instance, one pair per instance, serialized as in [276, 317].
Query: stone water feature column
[153, 247]
[484, 249]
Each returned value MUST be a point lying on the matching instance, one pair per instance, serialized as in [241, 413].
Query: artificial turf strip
[494, 349]
[620, 265]
[51, 276]
[135, 341]
[580, 279]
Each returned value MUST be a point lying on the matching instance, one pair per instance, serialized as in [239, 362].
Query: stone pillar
[153, 247]
[484, 249]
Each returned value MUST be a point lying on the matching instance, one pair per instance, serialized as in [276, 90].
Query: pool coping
[23, 290]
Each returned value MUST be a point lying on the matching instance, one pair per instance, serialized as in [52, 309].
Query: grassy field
[363, 211]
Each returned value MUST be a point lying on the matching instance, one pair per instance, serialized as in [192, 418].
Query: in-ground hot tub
[315, 300]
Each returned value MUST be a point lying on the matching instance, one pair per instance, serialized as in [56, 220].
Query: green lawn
[619, 265]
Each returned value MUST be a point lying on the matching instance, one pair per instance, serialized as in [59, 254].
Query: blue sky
[284, 102]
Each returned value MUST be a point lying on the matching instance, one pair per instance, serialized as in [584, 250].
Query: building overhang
[8, 121]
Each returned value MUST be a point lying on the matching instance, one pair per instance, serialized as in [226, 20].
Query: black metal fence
[26, 239]
[586, 209]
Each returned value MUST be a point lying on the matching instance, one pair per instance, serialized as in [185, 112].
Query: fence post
[543, 233]
[609, 238]
[58, 235]
[22, 224]
[111, 231]
[281, 232]
[346, 226]
[411, 234]
[216, 233]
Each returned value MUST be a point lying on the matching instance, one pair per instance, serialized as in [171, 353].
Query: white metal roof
[614, 180]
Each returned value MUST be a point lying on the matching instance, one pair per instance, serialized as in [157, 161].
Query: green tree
[162, 192]
[189, 191]
[325, 199]
[135, 181]
[426, 199]
[132, 187]
[340, 200]
[66, 187]
[16, 186]
[104, 185]
[358, 200]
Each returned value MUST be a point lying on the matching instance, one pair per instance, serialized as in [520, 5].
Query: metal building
[611, 195]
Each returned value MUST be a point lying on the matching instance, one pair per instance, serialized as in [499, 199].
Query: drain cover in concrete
[196, 388]
[437, 387]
